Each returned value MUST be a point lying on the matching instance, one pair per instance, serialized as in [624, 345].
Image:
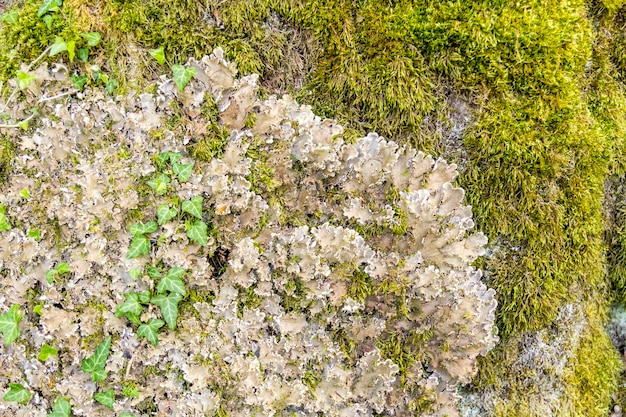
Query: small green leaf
[130, 308]
[159, 184]
[9, 324]
[151, 330]
[24, 193]
[9, 17]
[38, 309]
[111, 86]
[130, 391]
[47, 6]
[172, 282]
[71, 50]
[140, 245]
[47, 19]
[46, 351]
[62, 408]
[154, 272]
[58, 46]
[23, 124]
[17, 393]
[162, 158]
[134, 273]
[4, 221]
[182, 75]
[127, 414]
[94, 364]
[79, 81]
[165, 213]
[50, 275]
[144, 296]
[158, 54]
[93, 38]
[143, 228]
[169, 307]
[198, 233]
[35, 234]
[83, 54]
[63, 268]
[183, 171]
[106, 398]
[24, 79]
[193, 206]
[175, 157]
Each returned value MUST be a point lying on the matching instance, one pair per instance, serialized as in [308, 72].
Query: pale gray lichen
[351, 248]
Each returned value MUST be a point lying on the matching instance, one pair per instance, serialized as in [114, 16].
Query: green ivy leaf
[193, 206]
[175, 157]
[159, 184]
[9, 322]
[24, 79]
[4, 221]
[131, 308]
[63, 268]
[140, 245]
[143, 228]
[17, 393]
[165, 213]
[158, 54]
[169, 307]
[94, 364]
[46, 351]
[182, 75]
[35, 234]
[106, 398]
[79, 81]
[134, 273]
[183, 171]
[58, 46]
[151, 330]
[83, 54]
[92, 38]
[172, 282]
[48, 6]
[198, 233]
[144, 296]
[154, 272]
[9, 17]
[71, 50]
[62, 408]
[47, 19]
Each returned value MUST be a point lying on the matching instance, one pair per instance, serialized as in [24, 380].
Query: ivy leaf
[172, 282]
[150, 330]
[183, 171]
[165, 213]
[182, 75]
[131, 308]
[35, 234]
[79, 81]
[154, 272]
[83, 54]
[62, 408]
[24, 79]
[106, 398]
[17, 393]
[159, 184]
[175, 157]
[140, 245]
[169, 307]
[93, 38]
[63, 268]
[158, 54]
[143, 228]
[46, 351]
[144, 296]
[9, 324]
[94, 364]
[193, 206]
[9, 17]
[58, 46]
[47, 19]
[50, 274]
[4, 221]
[47, 6]
[198, 233]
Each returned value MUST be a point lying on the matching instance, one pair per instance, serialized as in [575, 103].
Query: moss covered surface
[527, 97]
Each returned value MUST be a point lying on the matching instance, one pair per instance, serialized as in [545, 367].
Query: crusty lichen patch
[288, 309]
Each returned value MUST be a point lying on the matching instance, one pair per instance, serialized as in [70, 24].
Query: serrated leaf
[24, 79]
[198, 233]
[151, 331]
[17, 393]
[46, 351]
[63, 268]
[62, 408]
[9, 324]
[130, 308]
[93, 38]
[140, 245]
[143, 228]
[106, 398]
[165, 213]
[182, 75]
[158, 54]
[94, 364]
[169, 307]
[9, 17]
[159, 184]
[183, 171]
[193, 206]
[58, 46]
[172, 282]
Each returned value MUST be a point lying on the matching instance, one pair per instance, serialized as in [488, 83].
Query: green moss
[213, 143]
